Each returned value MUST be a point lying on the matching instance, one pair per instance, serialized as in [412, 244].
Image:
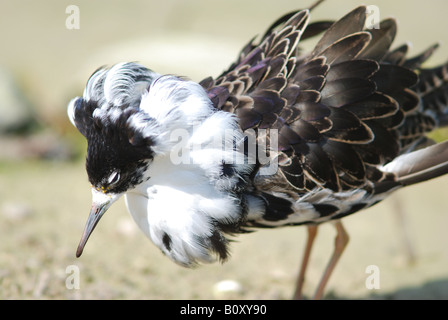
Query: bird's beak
[100, 203]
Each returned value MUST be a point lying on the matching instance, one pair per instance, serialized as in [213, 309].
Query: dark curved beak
[95, 215]
[100, 203]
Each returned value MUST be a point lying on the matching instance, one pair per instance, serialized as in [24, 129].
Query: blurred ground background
[45, 195]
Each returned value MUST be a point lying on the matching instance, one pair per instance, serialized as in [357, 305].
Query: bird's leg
[403, 226]
[340, 243]
[312, 231]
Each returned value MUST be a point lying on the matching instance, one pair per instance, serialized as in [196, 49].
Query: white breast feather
[181, 199]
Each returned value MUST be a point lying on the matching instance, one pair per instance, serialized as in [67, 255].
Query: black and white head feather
[106, 114]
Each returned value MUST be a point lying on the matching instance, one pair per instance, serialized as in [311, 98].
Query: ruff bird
[283, 137]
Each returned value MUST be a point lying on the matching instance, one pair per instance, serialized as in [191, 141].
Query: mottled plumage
[342, 112]
[343, 126]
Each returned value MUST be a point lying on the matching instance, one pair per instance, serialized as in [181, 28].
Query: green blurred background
[45, 195]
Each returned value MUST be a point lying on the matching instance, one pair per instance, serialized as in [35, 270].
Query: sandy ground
[39, 240]
[44, 205]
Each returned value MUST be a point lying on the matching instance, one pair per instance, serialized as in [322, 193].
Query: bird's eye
[113, 178]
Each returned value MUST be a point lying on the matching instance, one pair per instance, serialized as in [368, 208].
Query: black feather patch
[228, 169]
[320, 167]
[218, 95]
[83, 117]
[390, 78]
[381, 40]
[345, 158]
[346, 48]
[348, 128]
[166, 239]
[344, 91]
[351, 23]
[277, 208]
[360, 69]
[325, 209]
[375, 106]
[353, 209]
[219, 245]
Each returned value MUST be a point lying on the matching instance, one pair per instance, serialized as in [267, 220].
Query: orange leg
[340, 243]
[312, 232]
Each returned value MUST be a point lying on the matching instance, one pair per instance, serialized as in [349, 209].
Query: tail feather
[433, 89]
[421, 165]
[417, 61]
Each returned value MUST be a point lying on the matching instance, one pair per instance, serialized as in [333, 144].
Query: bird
[283, 137]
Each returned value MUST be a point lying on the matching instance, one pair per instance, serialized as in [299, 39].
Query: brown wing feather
[346, 107]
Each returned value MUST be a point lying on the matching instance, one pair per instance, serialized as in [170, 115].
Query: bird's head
[115, 164]
[127, 114]
[117, 152]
